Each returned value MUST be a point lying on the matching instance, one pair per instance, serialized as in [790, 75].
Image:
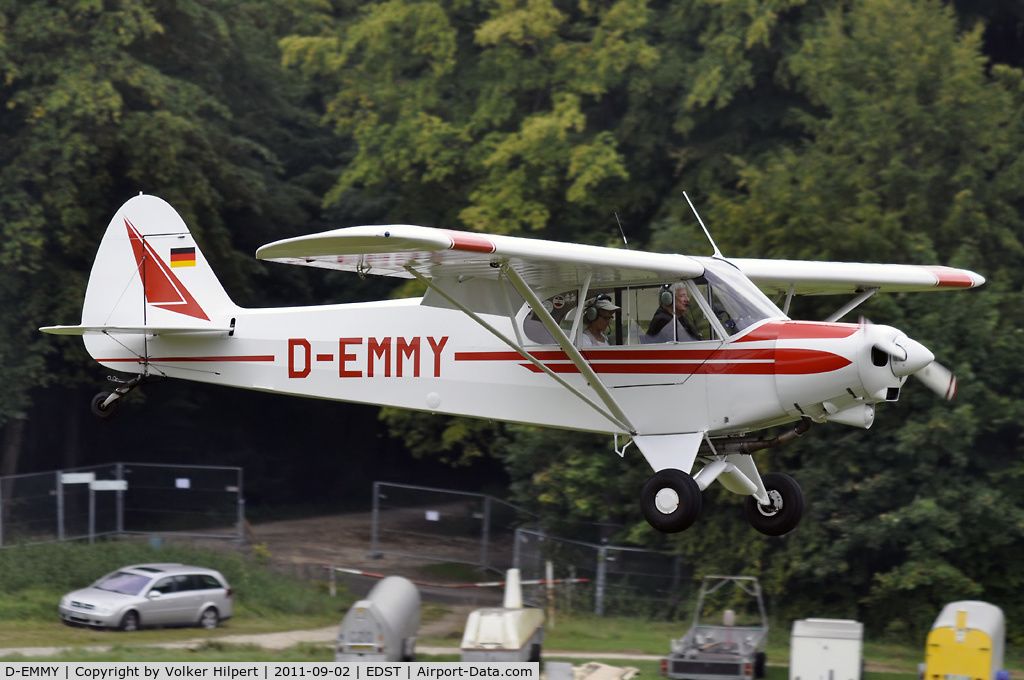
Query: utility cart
[728, 635]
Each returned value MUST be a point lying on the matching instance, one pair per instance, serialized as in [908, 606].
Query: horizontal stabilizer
[134, 330]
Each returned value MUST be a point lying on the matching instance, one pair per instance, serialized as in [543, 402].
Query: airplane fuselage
[403, 354]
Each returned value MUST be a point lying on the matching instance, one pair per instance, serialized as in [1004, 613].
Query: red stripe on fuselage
[783, 361]
[254, 357]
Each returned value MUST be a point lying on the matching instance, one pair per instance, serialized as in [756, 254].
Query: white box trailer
[505, 634]
[826, 649]
[383, 626]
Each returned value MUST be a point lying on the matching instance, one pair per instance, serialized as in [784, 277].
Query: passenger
[598, 314]
[669, 323]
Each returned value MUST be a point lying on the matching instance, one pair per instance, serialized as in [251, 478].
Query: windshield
[736, 301]
[124, 583]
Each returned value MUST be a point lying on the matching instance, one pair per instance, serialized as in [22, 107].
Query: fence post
[486, 532]
[119, 508]
[60, 504]
[602, 559]
[92, 514]
[241, 510]
[375, 521]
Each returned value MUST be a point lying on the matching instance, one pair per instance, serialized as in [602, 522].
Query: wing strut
[852, 304]
[619, 422]
[563, 341]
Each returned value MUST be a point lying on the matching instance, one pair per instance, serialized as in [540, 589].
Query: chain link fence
[483, 531]
[444, 525]
[122, 498]
[622, 580]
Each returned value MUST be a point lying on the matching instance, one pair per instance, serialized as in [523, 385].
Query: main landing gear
[671, 501]
[105, 404]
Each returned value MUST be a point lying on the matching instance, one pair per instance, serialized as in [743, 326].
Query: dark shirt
[663, 330]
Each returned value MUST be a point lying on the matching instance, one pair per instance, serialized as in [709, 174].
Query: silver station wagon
[151, 595]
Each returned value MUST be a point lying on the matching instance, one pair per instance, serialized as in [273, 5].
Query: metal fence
[444, 525]
[623, 580]
[480, 530]
[121, 498]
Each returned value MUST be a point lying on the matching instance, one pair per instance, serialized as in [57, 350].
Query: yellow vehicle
[966, 643]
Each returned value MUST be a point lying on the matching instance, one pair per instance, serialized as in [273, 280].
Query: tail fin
[150, 277]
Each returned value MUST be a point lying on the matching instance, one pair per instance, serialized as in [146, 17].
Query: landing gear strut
[104, 405]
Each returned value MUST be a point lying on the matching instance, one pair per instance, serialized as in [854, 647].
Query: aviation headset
[666, 297]
[590, 313]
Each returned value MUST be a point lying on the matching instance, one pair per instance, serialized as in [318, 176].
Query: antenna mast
[718, 253]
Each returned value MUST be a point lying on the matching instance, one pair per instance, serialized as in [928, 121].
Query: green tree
[103, 101]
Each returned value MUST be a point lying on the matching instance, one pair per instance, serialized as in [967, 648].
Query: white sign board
[109, 485]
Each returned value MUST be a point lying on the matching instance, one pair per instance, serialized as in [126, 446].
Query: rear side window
[205, 582]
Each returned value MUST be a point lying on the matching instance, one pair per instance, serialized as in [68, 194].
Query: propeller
[909, 357]
[939, 380]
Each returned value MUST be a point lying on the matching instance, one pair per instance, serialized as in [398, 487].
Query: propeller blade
[939, 380]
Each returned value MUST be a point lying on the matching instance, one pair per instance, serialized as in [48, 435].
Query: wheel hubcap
[667, 501]
[774, 504]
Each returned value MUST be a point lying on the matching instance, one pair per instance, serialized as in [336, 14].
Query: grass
[33, 578]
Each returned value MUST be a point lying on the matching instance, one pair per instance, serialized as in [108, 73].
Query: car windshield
[124, 583]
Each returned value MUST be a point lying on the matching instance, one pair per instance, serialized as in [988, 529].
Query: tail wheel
[670, 501]
[104, 412]
[785, 507]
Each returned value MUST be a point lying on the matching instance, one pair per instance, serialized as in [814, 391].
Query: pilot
[598, 314]
[669, 323]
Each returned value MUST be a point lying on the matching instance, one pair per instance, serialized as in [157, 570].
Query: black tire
[209, 619]
[104, 412]
[760, 662]
[786, 511]
[688, 500]
[535, 650]
[129, 622]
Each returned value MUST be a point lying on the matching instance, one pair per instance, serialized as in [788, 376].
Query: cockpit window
[721, 303]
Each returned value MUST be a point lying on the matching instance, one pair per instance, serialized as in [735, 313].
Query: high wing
[399, 249]
[800, 277]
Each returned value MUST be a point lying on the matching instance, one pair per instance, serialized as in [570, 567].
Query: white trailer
[826, 649]
[507, 633]
[383, 626]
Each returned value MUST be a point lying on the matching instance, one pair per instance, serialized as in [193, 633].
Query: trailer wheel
[760, 661]
[670, 500]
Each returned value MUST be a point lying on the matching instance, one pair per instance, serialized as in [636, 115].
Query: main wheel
[670, 500]
[130, 622]
[209, 618]
[785, 509]
[103, 412]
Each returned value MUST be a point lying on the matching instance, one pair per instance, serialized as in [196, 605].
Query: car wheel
[129, 622]
[209, 619]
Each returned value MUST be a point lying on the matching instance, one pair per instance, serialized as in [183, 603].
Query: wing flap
[390, 250]
[834, 278]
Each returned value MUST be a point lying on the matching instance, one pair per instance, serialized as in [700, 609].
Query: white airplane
[698, 359]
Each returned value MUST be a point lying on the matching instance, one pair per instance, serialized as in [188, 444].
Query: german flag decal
[183, 257]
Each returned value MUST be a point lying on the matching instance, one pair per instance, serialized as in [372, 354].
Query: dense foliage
[852, 130]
